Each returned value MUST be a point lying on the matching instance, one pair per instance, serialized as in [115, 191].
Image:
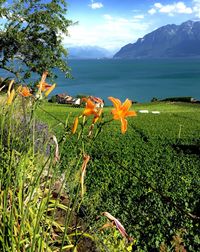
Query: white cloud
[152, 11]
[176, 8]
[158, 5]
[171, 9]
[196, 8]
[95, 5]
[112, 33]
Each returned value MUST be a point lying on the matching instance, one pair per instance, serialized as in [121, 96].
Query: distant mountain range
[88, 52]
[170, 41]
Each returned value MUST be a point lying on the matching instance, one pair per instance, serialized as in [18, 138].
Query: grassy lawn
[175, 114]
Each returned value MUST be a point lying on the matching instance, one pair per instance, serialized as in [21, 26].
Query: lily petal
[44, 76]
[116, 102]
[86, 159]
[87, 112]
[116, 114]
[56, 155]
[90, 104]
[50, 90]
[123, 125]
[74, 128]
[97, 116]
[11, 97]
[126, 105]
[44, 86]
[90, 108]
[131, 113]
[121, 228]
[10, 86]
[118, 224]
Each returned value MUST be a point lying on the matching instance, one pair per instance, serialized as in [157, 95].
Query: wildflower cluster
[120, 112]
[24, 91]
[45, 87]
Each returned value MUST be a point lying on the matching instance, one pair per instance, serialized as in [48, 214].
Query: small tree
[31, 39]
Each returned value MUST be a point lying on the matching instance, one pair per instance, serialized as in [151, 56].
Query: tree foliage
[31, 38]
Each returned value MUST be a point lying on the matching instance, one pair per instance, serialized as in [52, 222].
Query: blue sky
[113, 23]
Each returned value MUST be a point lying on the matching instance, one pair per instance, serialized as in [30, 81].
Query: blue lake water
[139, 80]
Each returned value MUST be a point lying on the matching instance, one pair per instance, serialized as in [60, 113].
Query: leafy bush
[53, 99]
[178, 99]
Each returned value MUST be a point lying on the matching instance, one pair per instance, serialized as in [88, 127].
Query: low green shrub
[178, 99]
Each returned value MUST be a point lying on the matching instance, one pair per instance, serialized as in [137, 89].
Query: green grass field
[148, 178]
[60, 111]
[174, 119]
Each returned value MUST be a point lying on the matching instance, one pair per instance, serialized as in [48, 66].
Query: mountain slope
[166, 42]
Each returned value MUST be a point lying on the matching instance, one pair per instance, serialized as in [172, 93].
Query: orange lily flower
[90, 108]
[44, 86]
[121, 111]
[24, 91]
